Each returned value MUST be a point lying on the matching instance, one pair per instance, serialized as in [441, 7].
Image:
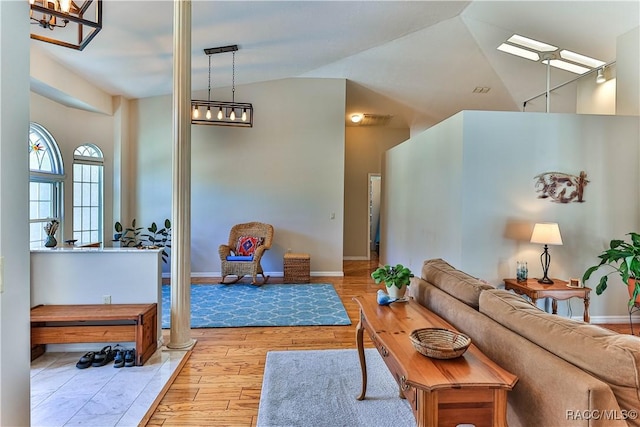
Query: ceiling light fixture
[239, 114]
[356, 118]
[600, 77]
[57, 14]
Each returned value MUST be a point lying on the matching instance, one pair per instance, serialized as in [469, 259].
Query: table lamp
[547, 233]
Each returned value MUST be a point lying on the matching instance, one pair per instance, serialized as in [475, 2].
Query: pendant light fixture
[232, 113]
[50, 15]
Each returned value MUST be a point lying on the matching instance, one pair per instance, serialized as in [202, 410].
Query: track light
[600, 78]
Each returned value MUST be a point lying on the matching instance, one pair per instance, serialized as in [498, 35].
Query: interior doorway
[373, 248]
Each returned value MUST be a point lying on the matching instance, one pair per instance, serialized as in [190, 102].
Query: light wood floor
[221, 382]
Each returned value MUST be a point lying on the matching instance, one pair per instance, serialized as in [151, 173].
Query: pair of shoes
[103, 357]
[124, 357]
[86, 360]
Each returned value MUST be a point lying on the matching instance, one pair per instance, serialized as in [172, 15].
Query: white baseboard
[355, 258]
[610, 319]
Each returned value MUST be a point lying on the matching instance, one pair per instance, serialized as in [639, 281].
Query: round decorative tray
[440, 343]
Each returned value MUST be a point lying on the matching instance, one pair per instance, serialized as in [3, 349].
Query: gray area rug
[319, 389]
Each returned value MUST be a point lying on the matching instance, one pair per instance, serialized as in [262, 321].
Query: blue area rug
[228, 306]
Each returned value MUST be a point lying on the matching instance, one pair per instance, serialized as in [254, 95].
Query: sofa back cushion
[611, 357]
[456, 283]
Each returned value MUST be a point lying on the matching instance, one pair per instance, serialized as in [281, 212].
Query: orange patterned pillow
[247, 245]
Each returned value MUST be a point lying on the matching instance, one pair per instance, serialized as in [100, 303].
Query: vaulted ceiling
[416, 60]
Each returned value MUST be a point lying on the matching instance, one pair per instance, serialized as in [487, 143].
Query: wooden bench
[63, 324]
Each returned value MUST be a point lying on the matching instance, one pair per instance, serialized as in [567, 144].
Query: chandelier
[56, 14]
[222, 113]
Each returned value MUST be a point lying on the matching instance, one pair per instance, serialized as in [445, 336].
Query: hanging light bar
[50, 15]
[239, 114]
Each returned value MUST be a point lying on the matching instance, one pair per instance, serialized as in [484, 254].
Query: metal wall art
[561, 187]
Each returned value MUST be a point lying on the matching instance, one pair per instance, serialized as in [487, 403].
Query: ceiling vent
[375, 120]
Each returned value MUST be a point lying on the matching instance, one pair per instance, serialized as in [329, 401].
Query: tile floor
[63, 395]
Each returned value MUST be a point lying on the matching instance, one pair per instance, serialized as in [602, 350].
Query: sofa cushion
[456, 283]
[611, 357]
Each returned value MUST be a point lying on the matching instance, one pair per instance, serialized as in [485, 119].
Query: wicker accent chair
[245, 267]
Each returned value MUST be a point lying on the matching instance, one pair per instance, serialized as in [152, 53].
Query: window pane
[86, 218]
[86, 173]
[77, 194]
[44, 210]
[45, 191]
[77, 219]
[95, 173]
[95, 194]
[86, 194]
[94, 218]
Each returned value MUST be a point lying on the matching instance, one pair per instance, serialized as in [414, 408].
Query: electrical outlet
[106, 299]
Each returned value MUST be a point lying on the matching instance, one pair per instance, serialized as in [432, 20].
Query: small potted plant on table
[395, 278]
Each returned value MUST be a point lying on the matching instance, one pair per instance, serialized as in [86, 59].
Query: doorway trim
[370, 177]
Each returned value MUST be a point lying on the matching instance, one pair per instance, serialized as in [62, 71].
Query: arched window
[45, 183]
[88, 165]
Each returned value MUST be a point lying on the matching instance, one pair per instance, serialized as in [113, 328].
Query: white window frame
[88, 229]
[53, 175]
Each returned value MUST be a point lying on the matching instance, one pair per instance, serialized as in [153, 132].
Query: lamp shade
[547, 233]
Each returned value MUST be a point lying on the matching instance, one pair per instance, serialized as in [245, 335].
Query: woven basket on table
[440, 343]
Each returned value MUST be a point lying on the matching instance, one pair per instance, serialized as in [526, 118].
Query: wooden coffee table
[469, 389]
[558, 290]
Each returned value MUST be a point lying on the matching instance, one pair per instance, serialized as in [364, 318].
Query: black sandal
[103, 357]
[86, 360]
[130, 358]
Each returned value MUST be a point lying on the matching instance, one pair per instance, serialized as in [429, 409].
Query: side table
[297, 268]
[558, 290]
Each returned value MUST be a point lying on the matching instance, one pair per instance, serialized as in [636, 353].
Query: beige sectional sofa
[569, 373]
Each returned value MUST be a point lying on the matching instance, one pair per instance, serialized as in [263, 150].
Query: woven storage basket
[440, 343]
[296, 268]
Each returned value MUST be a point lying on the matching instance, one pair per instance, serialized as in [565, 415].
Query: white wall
[287, 171]
[14, 231]
[628, 70]
[464, 191]
[84, 275]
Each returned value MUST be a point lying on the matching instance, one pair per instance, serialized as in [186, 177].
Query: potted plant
[154, 238]
[624, 258]
[395, 278]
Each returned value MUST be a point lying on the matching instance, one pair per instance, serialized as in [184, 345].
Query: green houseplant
[624, 258]
[154, 237]
[395, 278]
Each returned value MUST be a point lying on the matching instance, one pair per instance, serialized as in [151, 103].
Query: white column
[181, 171]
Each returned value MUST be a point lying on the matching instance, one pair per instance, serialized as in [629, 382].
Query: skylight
[523, 53]
[531, 43]
[538, 51]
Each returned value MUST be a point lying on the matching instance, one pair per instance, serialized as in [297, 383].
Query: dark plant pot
[51, 242]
